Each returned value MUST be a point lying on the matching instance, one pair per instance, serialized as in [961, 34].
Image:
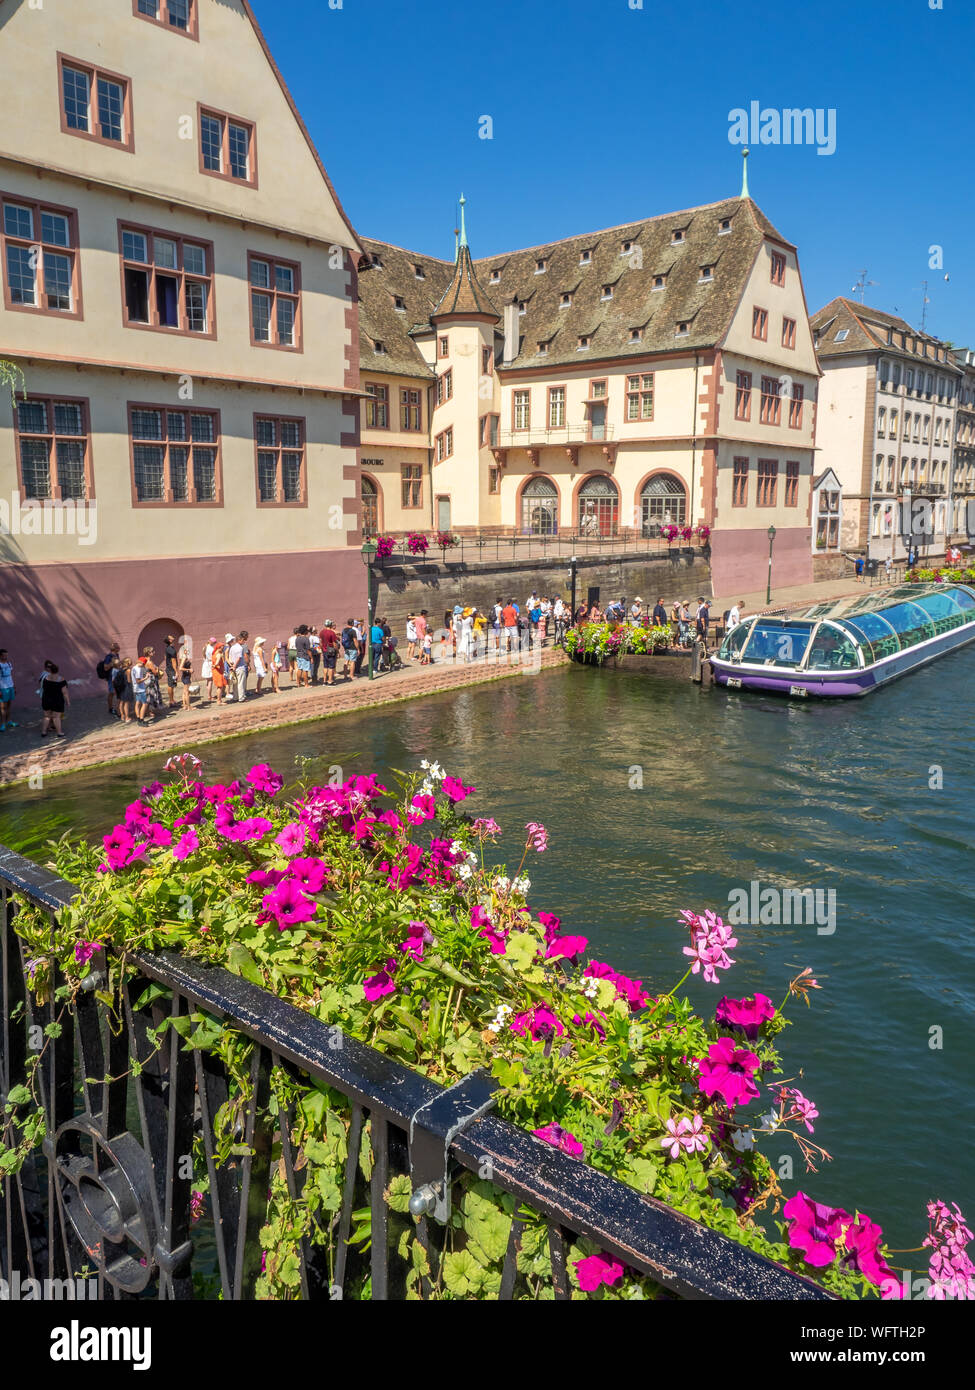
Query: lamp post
[572, 577]
[369, 549]
[768, 590]
[907, 523]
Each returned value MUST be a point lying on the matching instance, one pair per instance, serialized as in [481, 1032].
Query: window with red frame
[487, 361]
[445, 386]
[778, 269]
[280, 460]
[739, 484]
[410, 410]
[178, 15]
[411, 482]
[788, 333]
[795, 406]
[768, 472]
[444, 347]
[54, 447]
[227, 147]
[760, 324]
[377, 406]
[174, 454]
[41, 267]
[167, 281]
[791, 484]
[275, 302]
[771, 407]
[743, 395]
[445, 445]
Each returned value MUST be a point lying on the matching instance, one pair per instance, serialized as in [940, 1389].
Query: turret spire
[744, 174]
[463, 229]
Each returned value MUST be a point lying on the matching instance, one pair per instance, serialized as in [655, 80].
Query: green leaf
[399, 1192]
[521, 949]
[241, 962]
[18, 1095]
[643, 1174]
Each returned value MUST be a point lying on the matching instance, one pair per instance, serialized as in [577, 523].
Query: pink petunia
[187, 844]
[567, 946]
[264, 779]
[456, 790]
[560, 1138]
[289, 904]
[375, 986]
[728, 1071]
[292, 839]
[596, 1270]
[310, 873]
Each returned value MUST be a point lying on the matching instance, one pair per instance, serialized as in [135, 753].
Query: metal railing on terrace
[109, 1189]
[560, 434]
[522, 545]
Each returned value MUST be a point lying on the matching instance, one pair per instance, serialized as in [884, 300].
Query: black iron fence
[474, 549]
[110, 1192]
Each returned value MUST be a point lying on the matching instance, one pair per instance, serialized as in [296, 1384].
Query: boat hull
[837, 685]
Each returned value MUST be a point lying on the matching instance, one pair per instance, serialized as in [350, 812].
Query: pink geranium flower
[745, 1015]
[375, 986]
[727, 1071]
[684, 1134]
[456, 790]
[560, 1138]
[800, 1107]
[596, 1270]
[486, 829]
[310, 873]
[264, 779]
[537, 836]
[710, 942]
[187, 844]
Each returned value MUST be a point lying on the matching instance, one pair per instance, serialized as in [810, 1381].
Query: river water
[735, 788]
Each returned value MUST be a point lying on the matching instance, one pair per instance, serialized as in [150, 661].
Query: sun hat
[228, 637]
[260, 642]
[457, 609]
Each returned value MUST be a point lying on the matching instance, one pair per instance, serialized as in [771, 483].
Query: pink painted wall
[739, 560]
[72, 613]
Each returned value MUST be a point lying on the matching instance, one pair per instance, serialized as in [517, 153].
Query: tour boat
[847, 646]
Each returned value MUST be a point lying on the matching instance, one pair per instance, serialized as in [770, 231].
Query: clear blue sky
[603, 115]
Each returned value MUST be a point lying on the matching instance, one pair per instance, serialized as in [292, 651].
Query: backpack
[100, 671]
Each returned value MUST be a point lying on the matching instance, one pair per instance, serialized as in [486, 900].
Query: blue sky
[604, 114]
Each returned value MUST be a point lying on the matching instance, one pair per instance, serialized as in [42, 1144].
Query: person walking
[170, 653]
[859, 569]
[105, 670]
[734, 615]
[54, 700]
[350, 648]
[6, 691]
[184, 668]
[376, 641]
[888, 569]
[509, 624]
[260, 664]
[314, 638]
[303, 655]
[279, 660]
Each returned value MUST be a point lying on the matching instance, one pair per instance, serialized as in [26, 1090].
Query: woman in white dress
[206, 670]
[465, 644]
[260, 664]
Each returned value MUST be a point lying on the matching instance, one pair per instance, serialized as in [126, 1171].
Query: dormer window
[522, 306]
[419, 272]
[377, 260]
[707, 273]
[566, 301]
[495, 277]
[842, 335]
[659, 282]
[583, 343]
[636, 335]
[541, 266]
[542, 349]
[400, 303]
[379, 347]
[585, 257]
[683, 328]
[677, 237]
[607, 292]
[724, 226]
[626, 248]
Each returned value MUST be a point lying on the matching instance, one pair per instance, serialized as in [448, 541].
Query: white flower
[770, 1122]
[433, 770]
[743, 1140]
[521, 885]
[472, 858]
[455, 847]
[501, 1017]
[465, 871]
[589, 986]
[427, 788]
[502, 884]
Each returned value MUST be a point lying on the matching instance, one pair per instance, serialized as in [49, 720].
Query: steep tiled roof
[464, 294]
[862, 329]
[707, 306]
[394, 277]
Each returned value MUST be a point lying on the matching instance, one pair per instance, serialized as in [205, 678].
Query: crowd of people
[141, 688]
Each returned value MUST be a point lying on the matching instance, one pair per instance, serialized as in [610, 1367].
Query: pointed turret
[464, 297]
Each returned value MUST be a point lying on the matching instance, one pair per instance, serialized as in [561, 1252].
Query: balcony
[536, 437]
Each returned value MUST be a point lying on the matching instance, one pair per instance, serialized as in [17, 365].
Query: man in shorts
[329, 639]
[350, 647]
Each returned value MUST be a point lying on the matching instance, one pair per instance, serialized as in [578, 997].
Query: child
[279, 660]
[427, 648]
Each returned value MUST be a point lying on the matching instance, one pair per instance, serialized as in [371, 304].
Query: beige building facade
[609, 384]
[179, 295]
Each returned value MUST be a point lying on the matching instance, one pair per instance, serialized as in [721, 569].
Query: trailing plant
[597, 641]
[417, 543]
[385, 545]
[379, 912]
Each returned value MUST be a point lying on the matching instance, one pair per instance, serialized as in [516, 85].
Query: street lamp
[768, 591]
[572, 577]
[907, 522]
[369, 549]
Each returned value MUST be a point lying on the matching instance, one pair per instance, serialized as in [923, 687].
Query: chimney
[511, 334]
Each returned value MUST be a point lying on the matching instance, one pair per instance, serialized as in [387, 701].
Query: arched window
[540, 508]
[599, 507]
[370, 507]
[664, 503]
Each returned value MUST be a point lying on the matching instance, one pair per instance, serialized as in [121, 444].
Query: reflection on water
[734, 789]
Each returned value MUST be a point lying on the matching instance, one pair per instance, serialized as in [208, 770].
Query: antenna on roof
[744, 174]
[925, 301]
[861, 285]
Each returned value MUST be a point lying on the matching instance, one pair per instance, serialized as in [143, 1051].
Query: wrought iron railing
[517, 545]
[110, 1190]
[557, 434]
